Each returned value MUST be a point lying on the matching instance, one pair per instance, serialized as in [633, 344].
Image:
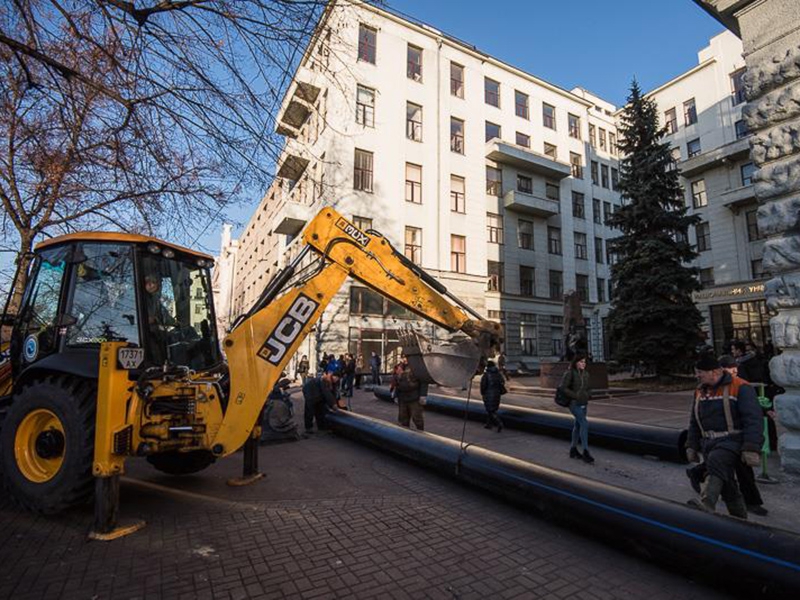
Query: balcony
[293, 161]
[739, 198]
[298, 103]
[530, 204]
[525, 160]
[291, 218]
[714, 158]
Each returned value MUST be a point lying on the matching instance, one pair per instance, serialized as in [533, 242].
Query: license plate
[130, 358]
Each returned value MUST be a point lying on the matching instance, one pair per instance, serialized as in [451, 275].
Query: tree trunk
[23, 261]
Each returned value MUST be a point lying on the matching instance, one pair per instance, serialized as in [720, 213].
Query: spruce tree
[653, 317]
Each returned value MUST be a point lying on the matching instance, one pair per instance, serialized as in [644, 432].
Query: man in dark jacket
[320, 397]
[375, 368]
[726, 427]
[407, 389]
[748, 363]
[492, 387]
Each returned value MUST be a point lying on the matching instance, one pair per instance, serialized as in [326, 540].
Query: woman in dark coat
[575, 386]
[492, 388]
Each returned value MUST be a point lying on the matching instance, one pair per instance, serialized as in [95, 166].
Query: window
[526, 281]
[582, 285]
[524, 184]
[494, 228]
[495, 281]
[554, 240]
[689, 112]
[457, 194]
[707, 277]
[551, 151]
[552, 191]
[413, 122]
[367, 37]
[363, 301]
[523, 140]
[556, 285]
[548, 116]
[413, 249]
[414, 63]
[581, 251]
[703, 231]
[699, 197]
[458, 254]
[601, 290]
[596, 216]
[592, 136]
[362, 176]
[492, 131]
[693, 147]
[612, 142]
[741, 129]
[675, 155]
[602, 139]
[363, 223]
[604, 176]
[578, 207]
[576, 165]
[671, 121]
[494, 181]
[456, 135]
[365, 106]
[527, 336]
[595, 169]
[574, 125]
[606, 212]
[737, 87]
[614, 179]
[610, 258]
[598, 250]
[525, 234]
[413, 183]
[456, 80]
[757, 268]
[747, 171]
[751, 218]
[491, 92]
[521, 106]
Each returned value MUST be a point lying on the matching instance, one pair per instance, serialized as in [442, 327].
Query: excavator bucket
[449, 364]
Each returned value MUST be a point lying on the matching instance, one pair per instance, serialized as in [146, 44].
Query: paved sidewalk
[331, 520]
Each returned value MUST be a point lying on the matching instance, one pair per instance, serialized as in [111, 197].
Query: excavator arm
[262, 343]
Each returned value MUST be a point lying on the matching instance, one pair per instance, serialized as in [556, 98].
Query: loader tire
[47, 444]
[182, 463]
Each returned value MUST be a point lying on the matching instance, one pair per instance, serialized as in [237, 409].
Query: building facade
[495, 181]
[702, 110]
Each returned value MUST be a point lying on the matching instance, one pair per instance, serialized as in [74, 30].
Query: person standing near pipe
[575, 386]
[726, 427]
[492, 387]
[408, 390]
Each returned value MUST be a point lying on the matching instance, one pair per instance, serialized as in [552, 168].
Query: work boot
[737, 507]
[573, 453]
[708, 499]
[757, 509]
[587, 458]
[694, 479]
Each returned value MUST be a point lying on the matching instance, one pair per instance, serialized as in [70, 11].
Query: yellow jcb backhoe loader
[114, 353]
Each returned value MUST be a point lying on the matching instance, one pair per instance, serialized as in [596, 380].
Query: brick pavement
[331, 520]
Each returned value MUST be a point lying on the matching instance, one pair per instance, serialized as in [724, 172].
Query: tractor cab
[88, 288]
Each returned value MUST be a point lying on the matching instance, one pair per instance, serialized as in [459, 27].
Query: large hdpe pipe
[736, 554]
[663, 442]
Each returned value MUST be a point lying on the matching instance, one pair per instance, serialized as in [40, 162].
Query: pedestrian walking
[501, 365]
[302, 369]
[375, 368]
[359, 370]
[408, 389]
[726, 427]
[575, 386]
[319, 394]
[349, 375]
[492, 387]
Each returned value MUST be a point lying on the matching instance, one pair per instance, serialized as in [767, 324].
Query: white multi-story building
[702, 108]
[492, 179]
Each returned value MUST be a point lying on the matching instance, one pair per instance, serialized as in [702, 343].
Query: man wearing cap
[726, 427]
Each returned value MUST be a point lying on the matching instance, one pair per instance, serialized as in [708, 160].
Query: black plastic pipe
[742, 556]
[662, 442]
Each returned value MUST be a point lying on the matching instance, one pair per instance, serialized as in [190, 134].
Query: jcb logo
[353, 231]
[289, 327]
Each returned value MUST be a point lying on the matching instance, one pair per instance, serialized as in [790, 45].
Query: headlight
[167, 253]
[154, 248]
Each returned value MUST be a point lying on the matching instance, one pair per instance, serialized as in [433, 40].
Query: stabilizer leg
[106, 512]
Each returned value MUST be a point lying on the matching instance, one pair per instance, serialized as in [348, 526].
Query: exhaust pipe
[662, 442]
[737, 554]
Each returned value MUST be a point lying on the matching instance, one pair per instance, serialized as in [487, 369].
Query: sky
[599, 45]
